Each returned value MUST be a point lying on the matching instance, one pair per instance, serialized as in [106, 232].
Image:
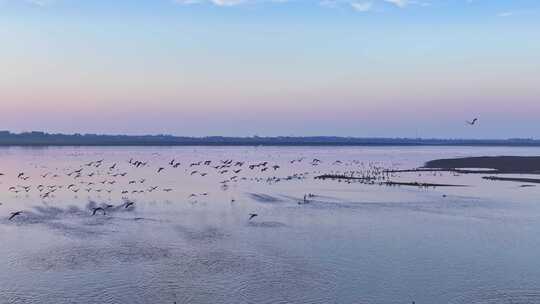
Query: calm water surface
[352, 243]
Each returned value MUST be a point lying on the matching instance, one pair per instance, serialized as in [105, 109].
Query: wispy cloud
[398, 3]
[514, 13]
[506, 14]
[40, 2]
[362, 6]
[215, 2]
[226, 2]
[357, 5]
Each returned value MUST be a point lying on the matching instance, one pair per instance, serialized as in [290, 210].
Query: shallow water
[351, 243]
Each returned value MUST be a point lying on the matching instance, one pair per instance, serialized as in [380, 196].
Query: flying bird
[252, 215]
[473, 122]
[14, 214]
[95, 210]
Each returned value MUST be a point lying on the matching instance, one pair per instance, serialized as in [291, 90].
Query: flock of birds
[121, 178]
[101, 177]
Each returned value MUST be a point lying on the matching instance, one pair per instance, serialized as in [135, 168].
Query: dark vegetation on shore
[45, 139]
[499, 164]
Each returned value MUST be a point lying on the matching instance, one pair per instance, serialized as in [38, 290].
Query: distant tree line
[46, 139]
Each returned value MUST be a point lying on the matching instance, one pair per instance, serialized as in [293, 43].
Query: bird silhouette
[473, 122]
[252, 215]
[95, 210]
[14, 214]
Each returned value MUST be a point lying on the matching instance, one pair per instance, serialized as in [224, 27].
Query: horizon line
[258, 137]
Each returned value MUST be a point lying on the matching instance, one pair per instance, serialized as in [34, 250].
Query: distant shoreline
[266, 144]
[41, 139]
[44, 145]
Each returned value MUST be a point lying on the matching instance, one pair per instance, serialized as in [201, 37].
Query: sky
[385, 68]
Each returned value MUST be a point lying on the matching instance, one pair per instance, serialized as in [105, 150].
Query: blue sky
[232, 67]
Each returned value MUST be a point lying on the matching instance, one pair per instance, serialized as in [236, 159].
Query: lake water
[350, 243]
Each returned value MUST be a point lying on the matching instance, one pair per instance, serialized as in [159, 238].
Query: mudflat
[501, 164]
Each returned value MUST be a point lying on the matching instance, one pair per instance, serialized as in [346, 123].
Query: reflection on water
[183, 234]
